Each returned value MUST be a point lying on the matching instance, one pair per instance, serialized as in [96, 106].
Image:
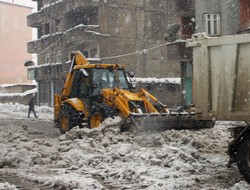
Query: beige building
[14, 34]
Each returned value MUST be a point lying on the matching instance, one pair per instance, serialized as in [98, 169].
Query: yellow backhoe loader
[93, 92]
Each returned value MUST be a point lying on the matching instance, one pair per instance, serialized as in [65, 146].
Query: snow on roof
[44, 65]
[32, 91]
[83, 26]
[158, 80]
[10, 85]
[96, 33]
[48, 5]
[60, 63]
[86, 27]
[20, 3]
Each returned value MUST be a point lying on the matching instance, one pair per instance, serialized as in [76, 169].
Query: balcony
[54, 10]
[184, 8]
[76, 35]
[32, 47]
[40, 44]
[35, 19]
[83, 32]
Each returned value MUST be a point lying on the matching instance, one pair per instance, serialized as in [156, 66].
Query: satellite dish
[171, 33]
[29, 63]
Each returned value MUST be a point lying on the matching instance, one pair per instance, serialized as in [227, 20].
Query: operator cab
[89, 82]
[108, 78]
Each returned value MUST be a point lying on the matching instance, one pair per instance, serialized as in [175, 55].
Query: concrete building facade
[14, 34]
[222, 17]
[215, 18]
[130, 32]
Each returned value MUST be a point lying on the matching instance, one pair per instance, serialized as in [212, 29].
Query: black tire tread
[242, 156]
[72, 114]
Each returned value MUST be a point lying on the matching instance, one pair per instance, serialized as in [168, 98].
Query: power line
[144, 51]
[137, 52]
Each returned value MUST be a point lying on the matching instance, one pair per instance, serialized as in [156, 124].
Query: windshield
[108, 78]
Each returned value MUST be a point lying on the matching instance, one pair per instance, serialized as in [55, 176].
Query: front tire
[95, 120]
[69, 118]
[242, 157]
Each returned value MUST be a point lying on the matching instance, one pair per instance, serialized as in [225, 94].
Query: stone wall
[16, 99]
[17, 93]
[16, 88]
[167, 93]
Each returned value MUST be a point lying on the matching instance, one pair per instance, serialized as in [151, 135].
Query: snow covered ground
[34, 155]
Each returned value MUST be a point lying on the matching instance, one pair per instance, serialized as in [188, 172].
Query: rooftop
[26, 3]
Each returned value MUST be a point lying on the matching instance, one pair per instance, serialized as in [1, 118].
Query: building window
[47, 57]
[212, 24]
[58, 57]
[57, 22]
[94, 53]
[31, 74]
[39, 32]
[46, 29]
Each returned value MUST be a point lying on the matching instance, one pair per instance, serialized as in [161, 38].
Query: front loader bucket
[169, 121]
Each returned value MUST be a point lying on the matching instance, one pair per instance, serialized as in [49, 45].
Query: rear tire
[242, 157]
[69, 118]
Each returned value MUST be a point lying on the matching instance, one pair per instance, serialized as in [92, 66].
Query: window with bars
[47, 58]
[58, 57]
[212, 23]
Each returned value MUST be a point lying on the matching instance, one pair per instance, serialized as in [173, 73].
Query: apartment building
[215, 18]
[107, 30]
[14, 34]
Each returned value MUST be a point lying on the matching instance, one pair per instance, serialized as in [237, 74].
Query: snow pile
[7, 186]
[106, 158]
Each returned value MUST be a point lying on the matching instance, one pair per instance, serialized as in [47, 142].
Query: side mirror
[94, 86]
[131, 73]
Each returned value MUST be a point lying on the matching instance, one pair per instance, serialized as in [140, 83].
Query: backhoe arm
[77, 58]
[146, 95]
